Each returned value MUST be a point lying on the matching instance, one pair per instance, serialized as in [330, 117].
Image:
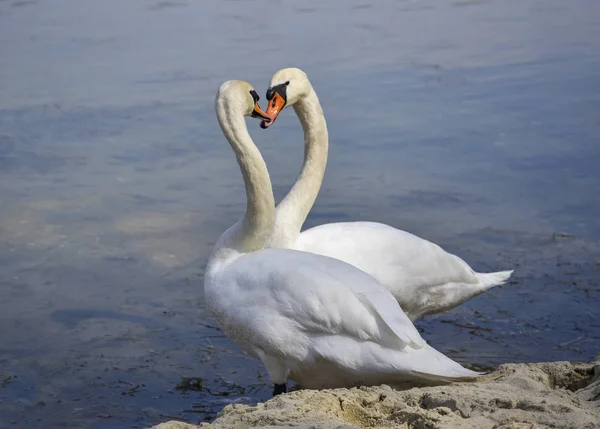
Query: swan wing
[280, 298]
[392, 256]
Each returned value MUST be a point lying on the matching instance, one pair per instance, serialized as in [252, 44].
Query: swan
[306, 317]
[424, 278]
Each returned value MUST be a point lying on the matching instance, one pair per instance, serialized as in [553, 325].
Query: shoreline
[514, 396]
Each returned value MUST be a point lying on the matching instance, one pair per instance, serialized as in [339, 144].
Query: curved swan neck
[250, 232]
[294, 208]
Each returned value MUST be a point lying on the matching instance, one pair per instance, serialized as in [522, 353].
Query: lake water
[475, 124]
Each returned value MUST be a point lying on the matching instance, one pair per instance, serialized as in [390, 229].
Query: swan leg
[279, 389]
[277, 369]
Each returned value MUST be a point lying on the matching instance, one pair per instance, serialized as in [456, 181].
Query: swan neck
[251, 232]
[296, 205]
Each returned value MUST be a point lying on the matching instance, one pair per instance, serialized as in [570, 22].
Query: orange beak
[259, 113]
[276, 104]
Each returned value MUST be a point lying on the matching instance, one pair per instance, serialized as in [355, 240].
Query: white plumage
[314, 319]
[424, 278]
[321, 322]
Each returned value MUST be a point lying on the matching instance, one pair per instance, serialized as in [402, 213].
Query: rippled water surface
[474, 124]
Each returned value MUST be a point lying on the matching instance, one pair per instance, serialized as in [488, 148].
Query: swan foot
[279, 389]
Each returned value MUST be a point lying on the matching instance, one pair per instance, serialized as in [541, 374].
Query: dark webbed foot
[279, 389]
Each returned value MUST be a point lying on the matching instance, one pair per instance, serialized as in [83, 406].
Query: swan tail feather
[490, 280]
[432, 366]
[437, 378]
[450, 295]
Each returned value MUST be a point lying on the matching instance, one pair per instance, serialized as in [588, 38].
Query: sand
[515, 396]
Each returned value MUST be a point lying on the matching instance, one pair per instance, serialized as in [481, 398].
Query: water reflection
[473, 124]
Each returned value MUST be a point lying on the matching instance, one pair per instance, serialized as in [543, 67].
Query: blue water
[474, 124]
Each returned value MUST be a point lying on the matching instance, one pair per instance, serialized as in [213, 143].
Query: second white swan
[423, 277]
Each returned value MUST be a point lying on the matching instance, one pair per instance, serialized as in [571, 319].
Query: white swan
[424, 278]
[307, 317]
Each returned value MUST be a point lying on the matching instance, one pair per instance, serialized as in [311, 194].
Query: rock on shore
[515, 396]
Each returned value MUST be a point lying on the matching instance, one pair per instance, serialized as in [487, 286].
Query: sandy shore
[515, 396]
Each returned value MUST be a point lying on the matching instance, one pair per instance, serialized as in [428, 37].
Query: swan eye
[254, 95]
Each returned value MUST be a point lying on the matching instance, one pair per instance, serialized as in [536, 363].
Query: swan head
[239, 97]
[288, 86]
